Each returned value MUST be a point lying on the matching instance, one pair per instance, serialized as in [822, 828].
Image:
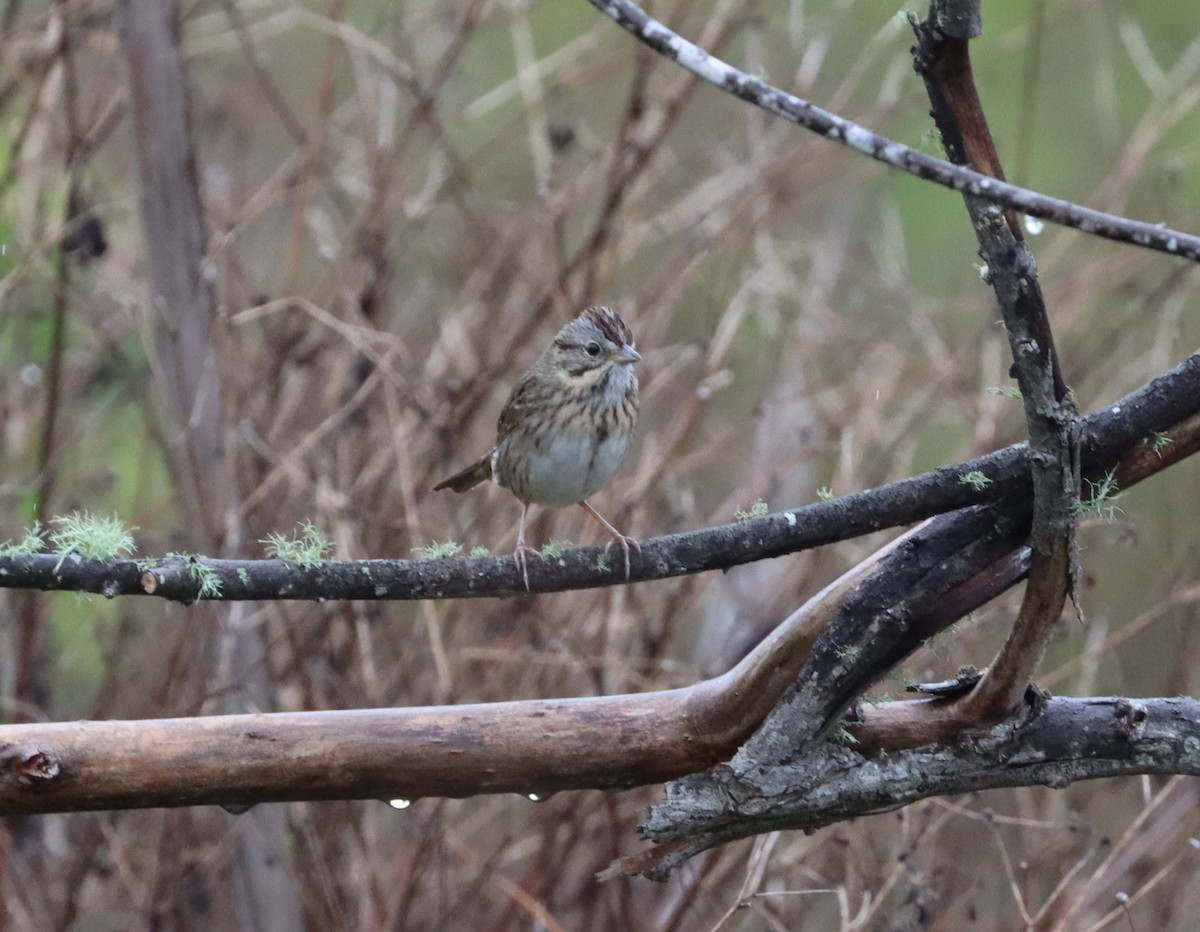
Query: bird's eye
[592, 349]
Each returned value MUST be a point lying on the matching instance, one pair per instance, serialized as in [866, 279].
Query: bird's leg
[617, 536]
[519, 553]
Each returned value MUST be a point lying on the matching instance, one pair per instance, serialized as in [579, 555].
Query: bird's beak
[628, 355]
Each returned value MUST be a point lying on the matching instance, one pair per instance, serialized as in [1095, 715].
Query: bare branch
[944, 63]
[883, 609]
[958, 561]
[1107, 435]
[186, 365]
[540, 746]
[1064, 741]
[840, 130]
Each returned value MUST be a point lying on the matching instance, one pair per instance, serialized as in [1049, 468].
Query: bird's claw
[624, 542]
[522, 562]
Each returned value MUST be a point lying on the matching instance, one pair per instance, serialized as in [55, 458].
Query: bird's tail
[469, 477]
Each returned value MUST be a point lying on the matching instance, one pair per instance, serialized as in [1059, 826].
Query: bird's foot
[625, 543]
[522, 561]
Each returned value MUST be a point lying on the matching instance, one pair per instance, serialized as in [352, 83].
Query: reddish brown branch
[944, 63]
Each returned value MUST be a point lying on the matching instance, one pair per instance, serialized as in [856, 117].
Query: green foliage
[1101, 498]
[436, 551]
[975, 479]
[479, 551]
[32, 541]
[91, 536]
[1160, 442]
[554, 549]
[825, 493]
[602, 563]
[848, 653]
[306, 548]
[1004, 391]
[931, 143]
[758, 510]
[205, 575]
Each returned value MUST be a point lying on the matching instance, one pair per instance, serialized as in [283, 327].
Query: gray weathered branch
[1058, 742]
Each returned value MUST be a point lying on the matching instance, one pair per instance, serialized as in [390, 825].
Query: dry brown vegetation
[403, 202]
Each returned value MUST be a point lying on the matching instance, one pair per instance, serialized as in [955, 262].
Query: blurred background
[403, 202]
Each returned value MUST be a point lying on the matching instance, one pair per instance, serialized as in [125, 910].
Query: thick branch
[527, 747]
[842, 638]
[1063, 741]
[840, 130]
[872, 632]
[239, 760]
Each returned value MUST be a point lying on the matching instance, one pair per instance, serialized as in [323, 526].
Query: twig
[840, 130]
[314, 145]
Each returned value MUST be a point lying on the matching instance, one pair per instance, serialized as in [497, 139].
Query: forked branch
[632, 18]
[943, 61]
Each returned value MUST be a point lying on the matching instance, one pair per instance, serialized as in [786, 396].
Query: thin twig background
[404, 202]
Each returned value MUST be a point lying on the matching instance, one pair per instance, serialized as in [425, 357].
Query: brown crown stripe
[610, 324]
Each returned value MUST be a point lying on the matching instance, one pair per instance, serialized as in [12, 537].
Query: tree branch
[826, 653]
[845, 132]
[1060, 742]
[944, 62]
[540, 746]
[1106, 436]
[953, 565]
